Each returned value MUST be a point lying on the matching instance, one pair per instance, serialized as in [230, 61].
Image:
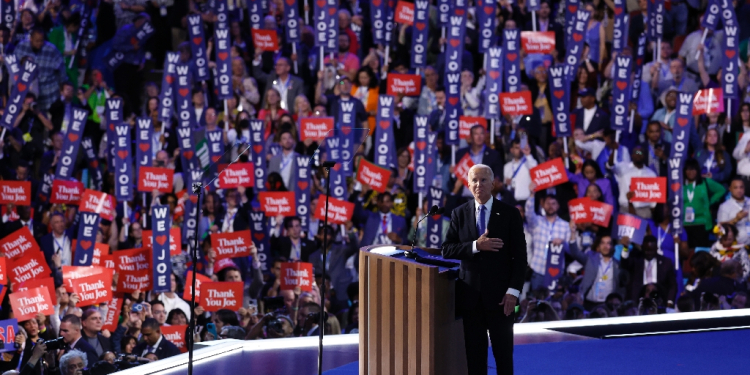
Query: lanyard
[523, 160]
[659, 235]
[550, 228]
[228, 223]
[286, 160]
[690, 194]
[59, 246]
[604, 273]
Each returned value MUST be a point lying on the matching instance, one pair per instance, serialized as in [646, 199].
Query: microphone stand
[198, 190]
[412, 254]
[321, 324]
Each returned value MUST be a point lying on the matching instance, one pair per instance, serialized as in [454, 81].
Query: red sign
[137, 281]
[12, 214]
[339, 211]
[222, 295]
[236, 175]
[106, 261]
[278, 203]
[600, 213]
[649, 189]
[374, 176]
[175, 240]
[265, 40]
[516, 103]
[18, 243]
[296, 274]
[32, 265]
[408, 84]
[538, 41]
[549, 174]
[199, 279]
[462, 169]
[176, 335]
[16, 192]
[134, 268]
[66, 192]
[41, 282]
[94, 289]
[579, 210]
[708, 101]
[100, 250]
[465, 123]
[100, 203]
[315, 128]
[72, 273]
[114, 306]
[404, 13]
[27, 304]
[232, 245]
[152, 178]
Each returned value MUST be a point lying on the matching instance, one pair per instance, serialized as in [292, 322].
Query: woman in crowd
[271, 113]
[587, 174]
[714, 160]
[699, 195]
[245, 86]
[365, 88]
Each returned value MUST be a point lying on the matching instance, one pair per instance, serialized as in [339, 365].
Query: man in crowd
[154, 342]
[50, 66]
[382, 227]
[649, 268]
[293, 246]
[285, 163]
[735, 210]
[92, 331]
[70, 331]
[590, 117]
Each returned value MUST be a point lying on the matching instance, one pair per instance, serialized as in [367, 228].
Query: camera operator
[307, 320]
[33, 366]
[70, 330]
[26, 338]
[276, 326]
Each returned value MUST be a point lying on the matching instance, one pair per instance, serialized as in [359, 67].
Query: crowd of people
[605, 273]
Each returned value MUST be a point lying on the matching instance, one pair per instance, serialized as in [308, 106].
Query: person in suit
[70, 331]
[92, 327]
[649, 268]
[38, 230]
[235, 217]
[57, 246]
[338, 254]
[285, 162]
[544, 23]
[154, 342]
[293, 246]
[382, 227]
[487, 236]
[602, 274]
[658, 150]
[288, 86]
[590, 117]
[481, 154]
[436, 118]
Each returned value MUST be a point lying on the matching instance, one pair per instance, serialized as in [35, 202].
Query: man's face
[37, 40]
[344, 21]
[161, 159]
[588, 101]
[159, 313]
[480, 184]
[32, 327]
[93, 323]
[551, 206]
[294, 230]
[287, 142]
[515, 150]
[477, 136]
[385, 204]
[67, 92]
[671, 99]
[638, 155]
[440, 98]
[288, 296]
[653, 133]
[69, 332]
[643, 5]
[276, 270]
[737, 189]
[58, 224]
[605, 246]
[150, 335]
[666, 49]
[198, 99]
[343, 42]
[57, 141]
[650, 249]
[676, 68]
[345, 85]
[430, 77]
[282, 67]
[210, 116]
[22, 173]
[543, 11]
[233, 275]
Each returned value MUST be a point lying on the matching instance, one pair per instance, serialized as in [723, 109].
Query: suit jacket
[492, 158]
[663, 166]
[165, 349]
[47, 244]
[274, 165]
[372, 222]
[665, 275]
[337, 257]
[600, 121]
[296, 86]
[486, 275]
[284, 246]
[84, 346]
[39, 229]
[591, 261]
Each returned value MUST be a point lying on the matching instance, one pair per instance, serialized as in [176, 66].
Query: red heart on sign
[258, 149]
[184, 92]
[675, 186]
[187, 154]
[453, 101]
[479, 3]
[577, 37]
[682, 121]
[21, 87]
[421, 145]
[215, 158]
[489, 10]
[290, 2]
[553, 271]
[94, 163]
[302, 184]
[460, 12]
[455, 42]
[144, 146]
[259, 236]
[730, 53]
[494, 74]
[420, 26]
[337, 167]
[346, 130]
[112, 127]
[133, 41]
[385, 124]
[197, 41]
[559, 94]
[223, 56]
[122, 154]
[73, 137]
[572, 8]
[622, 85]
[332, 11]
[618, 10]
[429, 160]
[85, 244]
[511, 56]
[169, 79]
[322, 3]
[161, 239]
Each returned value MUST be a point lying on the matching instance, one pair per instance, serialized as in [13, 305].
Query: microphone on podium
[434, 210]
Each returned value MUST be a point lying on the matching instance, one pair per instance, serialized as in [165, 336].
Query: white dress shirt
[487, 212]
[624, 172]
[588, 115]
[521, 181]
[649, 271]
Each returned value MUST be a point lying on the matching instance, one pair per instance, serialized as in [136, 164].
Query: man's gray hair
[477, 167]
[71, 355]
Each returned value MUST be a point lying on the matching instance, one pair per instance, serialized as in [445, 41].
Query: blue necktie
[480, 221]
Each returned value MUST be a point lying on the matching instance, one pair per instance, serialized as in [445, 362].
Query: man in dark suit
[293, 246]
[285, 162]
[288, 86]
[649, 268]
[382, 227]
[338, 254]
[70, 331]
[38, 230]
[590, 117]
[544, 23]
[154, 342]
[57, 245]
[487, 236]
[656, 149]
[481, 154]
[436, 118]
[92, 331]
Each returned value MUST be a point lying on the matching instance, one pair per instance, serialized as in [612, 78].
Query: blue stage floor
[718, 352]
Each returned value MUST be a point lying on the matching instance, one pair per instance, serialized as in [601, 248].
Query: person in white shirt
[471, 96]
[624, 172]
[735, 211]
[741, 153]
[516, 171]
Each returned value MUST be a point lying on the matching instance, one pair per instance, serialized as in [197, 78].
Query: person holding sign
[602, 272]
[488, 237]
[544, 229]
[624, 172]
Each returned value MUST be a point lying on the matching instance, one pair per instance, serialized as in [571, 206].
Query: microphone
[434, 210]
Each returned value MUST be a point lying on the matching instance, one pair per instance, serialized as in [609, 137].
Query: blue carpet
[691, 353]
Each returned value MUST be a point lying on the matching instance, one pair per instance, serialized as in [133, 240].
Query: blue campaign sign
[8, 329]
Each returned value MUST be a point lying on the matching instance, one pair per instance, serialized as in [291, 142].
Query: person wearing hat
[590, 117]
[666, 114]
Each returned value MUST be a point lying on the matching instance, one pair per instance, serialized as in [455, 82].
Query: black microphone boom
[434, 210]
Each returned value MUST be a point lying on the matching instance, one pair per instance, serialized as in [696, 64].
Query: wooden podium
[407, 319]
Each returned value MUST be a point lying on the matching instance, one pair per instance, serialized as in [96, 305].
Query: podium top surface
[398, 252]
